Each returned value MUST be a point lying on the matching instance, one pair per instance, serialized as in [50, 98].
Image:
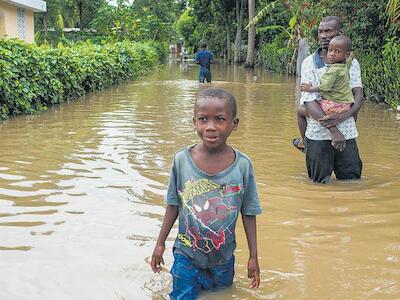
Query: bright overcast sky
[114, 2]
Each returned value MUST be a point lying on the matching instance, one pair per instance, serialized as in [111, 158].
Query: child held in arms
[210, 184]
[334, 87]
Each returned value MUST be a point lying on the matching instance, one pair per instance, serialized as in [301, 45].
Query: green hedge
[381, 73]
[54, 38]
[32, 77]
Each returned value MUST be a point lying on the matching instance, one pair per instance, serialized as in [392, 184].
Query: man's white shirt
[312, 69]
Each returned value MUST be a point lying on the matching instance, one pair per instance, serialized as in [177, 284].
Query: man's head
[339, 49]
[328, 28]
[203, 45]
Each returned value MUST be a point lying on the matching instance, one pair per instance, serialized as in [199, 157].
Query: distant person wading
[204, 58]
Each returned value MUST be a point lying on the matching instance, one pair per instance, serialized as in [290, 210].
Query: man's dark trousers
[322, 159]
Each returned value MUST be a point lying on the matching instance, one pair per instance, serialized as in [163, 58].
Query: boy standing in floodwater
[210, 183]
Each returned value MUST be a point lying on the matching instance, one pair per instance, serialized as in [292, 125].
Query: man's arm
[336, 118]
[212, 58]
[253, 270]
[308, 78]
[316, 112]
[306, 87]
[171, 214]
[358, 100]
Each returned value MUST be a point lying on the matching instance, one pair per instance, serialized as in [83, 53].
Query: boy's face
[213, 121]
[326, 31]
[337, 52]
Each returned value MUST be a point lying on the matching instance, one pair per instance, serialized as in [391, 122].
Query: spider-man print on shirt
[213, 208]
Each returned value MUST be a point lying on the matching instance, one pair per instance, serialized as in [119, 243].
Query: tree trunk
[80, 7]
[45, 24]
[225, 18]
[251, 37]
[238, 39]
[228, 41]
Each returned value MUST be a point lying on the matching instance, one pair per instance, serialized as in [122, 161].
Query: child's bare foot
[298, 143]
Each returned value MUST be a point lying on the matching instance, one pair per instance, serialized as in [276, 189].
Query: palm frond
[273, 27]
[262, 14]
[393, 11]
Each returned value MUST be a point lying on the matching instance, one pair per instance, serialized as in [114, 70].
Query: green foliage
[276, 56]
[32, 77]
[393, 11]
[186, 27]
[74, 13]
[141, 20]
[381, 73]
[271, 14]
[69, 38]
[262, 14]
[364, 21]
[161, 48]
[211, 18]
[364, 25]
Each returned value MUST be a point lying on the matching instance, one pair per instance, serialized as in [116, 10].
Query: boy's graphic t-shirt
[209, 207]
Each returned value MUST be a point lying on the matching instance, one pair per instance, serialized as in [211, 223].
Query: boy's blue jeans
[189, 280]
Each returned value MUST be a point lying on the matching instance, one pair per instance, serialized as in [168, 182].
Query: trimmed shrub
[32, 77]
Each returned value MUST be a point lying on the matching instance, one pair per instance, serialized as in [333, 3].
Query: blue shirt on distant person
[203, 58]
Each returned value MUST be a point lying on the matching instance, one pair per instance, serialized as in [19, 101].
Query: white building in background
[16, 18]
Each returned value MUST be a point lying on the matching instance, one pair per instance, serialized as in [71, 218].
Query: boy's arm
[171, 214]
[253, 270]
[306, 87]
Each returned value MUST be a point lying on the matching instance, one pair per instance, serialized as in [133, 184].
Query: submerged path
[82, 186]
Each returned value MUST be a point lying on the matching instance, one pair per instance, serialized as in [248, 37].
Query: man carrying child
[329, 139]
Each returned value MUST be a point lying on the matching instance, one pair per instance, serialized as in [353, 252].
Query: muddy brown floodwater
[82, 187]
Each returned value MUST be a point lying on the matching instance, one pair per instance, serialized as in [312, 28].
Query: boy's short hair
[336, 19]
[203, 45]
[222, 95]
[343, 39]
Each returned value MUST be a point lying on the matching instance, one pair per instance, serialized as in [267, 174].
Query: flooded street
[82, 187]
